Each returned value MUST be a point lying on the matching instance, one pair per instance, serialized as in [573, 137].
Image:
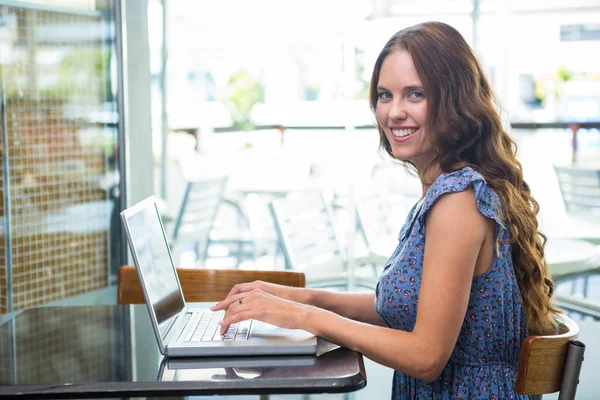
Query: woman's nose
[397, 112]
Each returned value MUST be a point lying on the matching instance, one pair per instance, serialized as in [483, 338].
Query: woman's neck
[427, 176]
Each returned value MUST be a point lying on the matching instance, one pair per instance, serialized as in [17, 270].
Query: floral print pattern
[483, 364]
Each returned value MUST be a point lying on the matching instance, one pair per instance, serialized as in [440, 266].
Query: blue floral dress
[483, 364]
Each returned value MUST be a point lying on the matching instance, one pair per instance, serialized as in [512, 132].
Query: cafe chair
[304, 224]
[196, 223]
[202, 285]
[373, 216]
[196, 213]
[552, 363]
[375, 226]
[580, 189]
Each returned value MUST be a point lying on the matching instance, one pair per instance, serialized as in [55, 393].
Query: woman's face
[402, 109]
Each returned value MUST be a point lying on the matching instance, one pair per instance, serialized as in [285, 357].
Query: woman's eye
[416, 95]
[384, 95]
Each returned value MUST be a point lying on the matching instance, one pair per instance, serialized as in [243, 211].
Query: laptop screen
[153, 258]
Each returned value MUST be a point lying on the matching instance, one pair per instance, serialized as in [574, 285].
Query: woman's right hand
[281, 291]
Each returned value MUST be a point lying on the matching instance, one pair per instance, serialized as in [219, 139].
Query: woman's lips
[403, 134]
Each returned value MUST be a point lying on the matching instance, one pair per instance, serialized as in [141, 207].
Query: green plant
[243, 92]
[564, 74]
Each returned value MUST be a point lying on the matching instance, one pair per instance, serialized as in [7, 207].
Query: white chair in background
[309, 241]
[580, 191]
[382, 205]
[399, 187]
[376, 225]
[572, 250]
[195, 216]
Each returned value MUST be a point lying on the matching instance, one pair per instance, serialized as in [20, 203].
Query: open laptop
[182, 330]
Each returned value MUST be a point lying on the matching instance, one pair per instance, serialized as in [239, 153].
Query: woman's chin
[401, 156]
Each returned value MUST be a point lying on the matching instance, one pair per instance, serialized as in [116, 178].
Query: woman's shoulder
[452, 182]
[456, 181]
[487, 201]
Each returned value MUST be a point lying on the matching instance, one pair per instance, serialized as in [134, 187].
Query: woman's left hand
[262, 306]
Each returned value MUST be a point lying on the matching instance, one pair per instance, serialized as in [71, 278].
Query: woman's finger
[223, 305]
[234, 290]
[235, 307]
[237, 317]
[241, 288]
[233, 295]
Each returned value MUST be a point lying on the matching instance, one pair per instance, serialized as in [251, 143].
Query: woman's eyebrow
[404, 89]
[412, 87]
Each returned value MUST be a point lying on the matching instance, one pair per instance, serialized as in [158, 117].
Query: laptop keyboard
[204, 327]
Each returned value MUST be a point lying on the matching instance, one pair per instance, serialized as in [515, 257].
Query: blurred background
[237, 114]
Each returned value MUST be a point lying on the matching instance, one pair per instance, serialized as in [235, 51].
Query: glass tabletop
[111, 351]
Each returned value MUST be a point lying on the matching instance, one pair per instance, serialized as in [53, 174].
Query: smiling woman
[436, 112]
[467, 281]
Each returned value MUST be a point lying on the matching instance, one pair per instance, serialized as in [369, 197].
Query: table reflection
[228, 368]
[111, 351]
[66, 345]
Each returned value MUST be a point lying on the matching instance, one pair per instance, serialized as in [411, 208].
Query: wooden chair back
[542, 359]
[580, 189]
[199, 285]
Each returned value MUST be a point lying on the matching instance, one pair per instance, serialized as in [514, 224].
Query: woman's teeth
[403, 132]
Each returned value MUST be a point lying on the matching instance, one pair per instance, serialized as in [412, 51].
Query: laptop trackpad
[267, 331]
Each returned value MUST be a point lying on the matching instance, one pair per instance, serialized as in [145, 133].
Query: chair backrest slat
[372, 215]
[202, 206]
[200, 285]
[197, 218]
[309, 256]
[307, 222]
[304, 224]
[542, 359]
[580, 188]
[197, 210]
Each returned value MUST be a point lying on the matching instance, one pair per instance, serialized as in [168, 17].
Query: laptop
[183, 330]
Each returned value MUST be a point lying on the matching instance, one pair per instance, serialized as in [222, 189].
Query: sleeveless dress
[483, 364]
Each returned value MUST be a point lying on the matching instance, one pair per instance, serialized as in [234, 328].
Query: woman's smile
[400, 135]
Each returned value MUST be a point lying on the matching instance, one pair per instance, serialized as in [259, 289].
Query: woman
[467, 281]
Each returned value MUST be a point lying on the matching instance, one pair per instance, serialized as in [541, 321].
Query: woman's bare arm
[355, 306]
[455, 234]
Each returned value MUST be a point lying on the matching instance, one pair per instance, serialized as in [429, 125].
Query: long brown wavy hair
[465, 129]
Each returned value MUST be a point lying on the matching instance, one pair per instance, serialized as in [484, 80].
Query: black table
[111, 351]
